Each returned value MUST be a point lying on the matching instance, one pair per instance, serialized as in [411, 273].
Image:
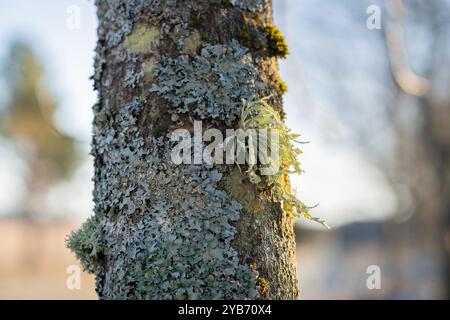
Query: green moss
[141, 39]
[87, 244]
[276, 42]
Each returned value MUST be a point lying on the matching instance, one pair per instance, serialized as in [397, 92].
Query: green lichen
[211, 85]
[142, 38]
[250, 5]
[276, 42]
[192, 43]
[196, 20]
[87, 244]
[149, 69]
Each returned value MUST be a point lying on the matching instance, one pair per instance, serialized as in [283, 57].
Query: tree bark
[166, 231]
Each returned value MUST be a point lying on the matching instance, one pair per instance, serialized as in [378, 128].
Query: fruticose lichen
[168, 228]
[250, 5]
[211, 85]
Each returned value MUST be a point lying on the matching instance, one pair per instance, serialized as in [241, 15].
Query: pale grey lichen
[211, 85]
[250, 5]
[133, 77]
[166, 230]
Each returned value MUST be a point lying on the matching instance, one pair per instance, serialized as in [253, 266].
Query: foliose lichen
[211, 85]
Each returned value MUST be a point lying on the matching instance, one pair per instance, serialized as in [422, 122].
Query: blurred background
[368, 87]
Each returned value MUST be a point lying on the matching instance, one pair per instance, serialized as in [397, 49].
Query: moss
[87, 244]
[276, 42]
[210, 85]
[281, 86]
[263, 286]
[141, 39]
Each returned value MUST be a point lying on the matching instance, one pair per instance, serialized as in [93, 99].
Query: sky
[339, 174]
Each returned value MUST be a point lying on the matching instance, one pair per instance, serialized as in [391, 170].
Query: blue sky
[339, 175]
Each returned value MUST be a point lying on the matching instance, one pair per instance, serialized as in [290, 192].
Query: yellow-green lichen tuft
[142, 38]
[276, 42]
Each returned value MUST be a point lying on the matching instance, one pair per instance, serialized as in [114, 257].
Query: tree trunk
[189, 231]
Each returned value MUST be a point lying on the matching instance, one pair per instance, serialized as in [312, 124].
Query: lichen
[263, 286]
[277, 45]
[281, 86]
[250, 5]
[87, 244]
[211, 85]
[142, 38]
[149, 69]
[168, 229]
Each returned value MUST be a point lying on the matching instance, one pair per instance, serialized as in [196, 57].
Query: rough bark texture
[165, 231]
